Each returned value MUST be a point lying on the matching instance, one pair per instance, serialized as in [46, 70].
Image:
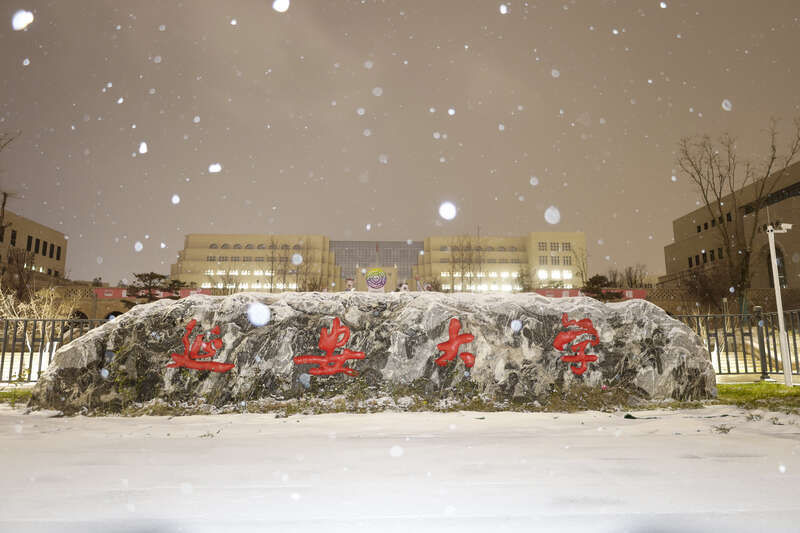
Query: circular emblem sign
[376, 278]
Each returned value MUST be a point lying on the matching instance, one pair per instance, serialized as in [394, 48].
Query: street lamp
[787, 365]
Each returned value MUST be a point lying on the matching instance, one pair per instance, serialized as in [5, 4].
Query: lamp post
[787, 365]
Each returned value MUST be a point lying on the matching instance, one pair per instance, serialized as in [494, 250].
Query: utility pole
[776, 282]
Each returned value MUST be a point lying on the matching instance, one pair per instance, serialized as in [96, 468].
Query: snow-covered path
[401, 472]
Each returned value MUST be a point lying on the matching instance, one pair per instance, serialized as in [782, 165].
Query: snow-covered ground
[409, 472]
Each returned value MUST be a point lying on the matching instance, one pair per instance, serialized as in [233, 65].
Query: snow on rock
[640, 349]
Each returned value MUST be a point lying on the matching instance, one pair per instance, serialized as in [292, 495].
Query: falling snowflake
[258, 314]
[157, 59]
[196, 119]
[213, 168]
[21, 20]
[552, 215]
[99, 260]
[142, 147]
[516, 325]
[297, 259]
[368, 64]
[26, 62]
[451, 111]
[138, 246]
[360, 111]
[534, 181]
[396, 451]
[281, 6]
[503, 9]
[447, 210]
[555, 73]
[176, 199]
[663, 5]
[377, 91]
[727, 105]
[383, 159]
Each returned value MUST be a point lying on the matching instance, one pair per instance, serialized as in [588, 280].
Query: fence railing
[28, 344]
[747, 344]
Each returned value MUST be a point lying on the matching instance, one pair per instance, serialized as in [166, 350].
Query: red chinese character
[199, 350]
[450, 347]
[585, 327]
[331, 363]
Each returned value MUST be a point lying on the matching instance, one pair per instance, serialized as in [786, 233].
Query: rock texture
[637, 347]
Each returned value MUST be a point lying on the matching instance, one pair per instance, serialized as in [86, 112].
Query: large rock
[519, 348]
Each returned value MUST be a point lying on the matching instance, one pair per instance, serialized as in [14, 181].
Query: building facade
[505, 264]
[699, 244]
[47, 247]
[267, 263]
[288, 262]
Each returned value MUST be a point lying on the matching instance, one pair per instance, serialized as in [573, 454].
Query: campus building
[505, 264]
[698, 243]
[47, 247]
[268, 263]
[289, 262]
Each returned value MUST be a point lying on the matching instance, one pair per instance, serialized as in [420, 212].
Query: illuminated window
[506, 287]
[258, 272]
[209, 272]
[566, 274]
[219, 285]
[243, 285]
[514, 274]
[257, 285]
[220, 272]
[234, 272]
[457, 287]
[481, 274]
[293, 285]
[492, 274]
[542, 274]
[445, 274]
[205, 285]
[495, 287]
[446, 286]
[555, 274]
[456, 274]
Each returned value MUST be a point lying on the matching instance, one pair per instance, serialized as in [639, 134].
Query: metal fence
[28, 344]
[747, 344]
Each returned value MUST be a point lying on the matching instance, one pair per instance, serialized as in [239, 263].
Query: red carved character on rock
[450, 347]
[190, 358]
[584, 327]
[331, 363]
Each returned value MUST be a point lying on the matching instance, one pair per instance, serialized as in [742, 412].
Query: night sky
[334, 115]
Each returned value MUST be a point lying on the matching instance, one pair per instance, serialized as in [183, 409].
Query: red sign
[450, 347]
[584, 327]
[190, 358]
[331, 363]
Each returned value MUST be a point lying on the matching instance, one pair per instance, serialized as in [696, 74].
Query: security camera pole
[787, 364]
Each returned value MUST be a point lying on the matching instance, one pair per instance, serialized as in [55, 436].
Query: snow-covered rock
[519, 345]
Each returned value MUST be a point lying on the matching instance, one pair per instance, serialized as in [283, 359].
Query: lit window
[205, 285]
[481, 274]
[495, 287]
[456, 274]
[209, 272]
[457, 287]
[503, 274]
[566, 274]
[220, 272]
[568, 285]
[231, 285]
[514, 274]
[483, 287]
[555, 274]
[257, 285]
[219, 285]
[293, 285]
[492, 274]
[542, 274]
[506, 287]
[446, 286]
[243, 285]
[258, 272]
[234, 272]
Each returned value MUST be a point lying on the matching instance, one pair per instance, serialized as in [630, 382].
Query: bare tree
[308, 278]
[633, 276]
[614, 278]
[581, 260]
[720, 177]
[19, 276]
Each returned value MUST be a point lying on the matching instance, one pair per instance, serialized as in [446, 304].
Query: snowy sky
[336, 114]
